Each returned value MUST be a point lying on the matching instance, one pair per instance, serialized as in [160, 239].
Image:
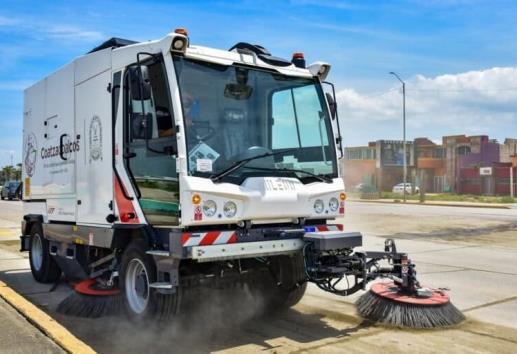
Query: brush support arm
[335, 267]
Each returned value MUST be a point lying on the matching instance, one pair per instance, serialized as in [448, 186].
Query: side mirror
[139, 83]
[332, 104]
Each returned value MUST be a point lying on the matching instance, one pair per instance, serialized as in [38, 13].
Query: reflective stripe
[224, 237]
[208, 238]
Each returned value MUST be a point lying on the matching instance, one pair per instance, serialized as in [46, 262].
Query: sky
[458, 57]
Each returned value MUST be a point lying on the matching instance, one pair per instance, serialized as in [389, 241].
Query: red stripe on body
[209, 238]
[185, 237]
[233, 238]
[124, 205]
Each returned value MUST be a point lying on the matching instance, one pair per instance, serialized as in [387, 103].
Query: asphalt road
[471, 251]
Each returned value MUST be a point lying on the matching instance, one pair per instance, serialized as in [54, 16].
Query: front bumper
[233, 244]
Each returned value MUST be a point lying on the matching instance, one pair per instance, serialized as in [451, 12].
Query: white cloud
[72, 33]
[41, 29]
[474, 102]
[6, 21]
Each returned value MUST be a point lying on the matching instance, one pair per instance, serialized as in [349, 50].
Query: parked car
[399, 188]
[11, 190]
[364, 188]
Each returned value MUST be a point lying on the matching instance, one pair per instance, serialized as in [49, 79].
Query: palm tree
[8, 172]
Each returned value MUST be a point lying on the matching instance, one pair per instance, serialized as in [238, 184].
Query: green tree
[8, 173]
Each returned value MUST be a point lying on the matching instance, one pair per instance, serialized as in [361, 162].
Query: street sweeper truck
[156, 167]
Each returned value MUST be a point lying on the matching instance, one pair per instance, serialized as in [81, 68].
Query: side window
[310, 122]
[151, 116]
[297, 119]
[151, 140]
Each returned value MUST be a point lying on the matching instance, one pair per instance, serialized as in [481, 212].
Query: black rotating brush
[385, 303]
[92, 300]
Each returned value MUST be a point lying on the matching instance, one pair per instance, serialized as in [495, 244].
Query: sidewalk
[25, 327]
[438, 203]
[17, 335]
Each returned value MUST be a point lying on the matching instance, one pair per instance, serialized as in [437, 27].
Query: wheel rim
[36, 252]
[137, 286]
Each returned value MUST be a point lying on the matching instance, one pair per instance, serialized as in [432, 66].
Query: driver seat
[235, 133]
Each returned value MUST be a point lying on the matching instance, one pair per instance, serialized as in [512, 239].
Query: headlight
[319, 206]
[230, 209]
[209, 208]
[333, 204]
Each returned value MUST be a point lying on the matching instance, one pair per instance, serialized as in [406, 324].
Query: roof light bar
[298, 60]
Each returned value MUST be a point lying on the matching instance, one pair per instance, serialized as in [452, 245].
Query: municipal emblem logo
[95, 139]
[31, 153]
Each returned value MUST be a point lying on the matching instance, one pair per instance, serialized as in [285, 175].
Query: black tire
[159, 306]
[3, 197]
[46, 270]
[290, 272]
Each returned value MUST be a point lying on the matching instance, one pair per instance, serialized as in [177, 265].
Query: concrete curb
[46, 324]
[431, 203]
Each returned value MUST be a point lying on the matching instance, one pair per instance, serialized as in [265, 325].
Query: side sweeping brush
[429, 308]
[92, 300]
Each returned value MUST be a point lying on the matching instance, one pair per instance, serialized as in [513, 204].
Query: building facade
[460, 164]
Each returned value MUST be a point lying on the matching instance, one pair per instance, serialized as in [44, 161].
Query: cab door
[150, 144]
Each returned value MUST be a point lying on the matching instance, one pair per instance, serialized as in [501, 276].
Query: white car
[399, 188]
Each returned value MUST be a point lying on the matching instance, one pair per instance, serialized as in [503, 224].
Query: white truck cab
[183, 158]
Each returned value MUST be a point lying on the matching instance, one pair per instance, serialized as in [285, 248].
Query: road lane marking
[6, 231]
[467, 268]
[50, 327]
[497, 302]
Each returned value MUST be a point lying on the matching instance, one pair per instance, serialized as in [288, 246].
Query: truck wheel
[43, 267]
[137, 272]
[288, 271]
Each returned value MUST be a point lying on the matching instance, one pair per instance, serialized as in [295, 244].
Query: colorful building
[379, 164]
[461, 164]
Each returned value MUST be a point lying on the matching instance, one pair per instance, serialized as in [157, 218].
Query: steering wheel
[210, 132]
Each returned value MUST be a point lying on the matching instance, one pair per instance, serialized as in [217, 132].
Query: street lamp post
[403, 128]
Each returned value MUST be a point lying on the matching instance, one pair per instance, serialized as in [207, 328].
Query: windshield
[233, 113]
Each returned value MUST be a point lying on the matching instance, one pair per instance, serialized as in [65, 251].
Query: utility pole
[403, 129]
[512, 191]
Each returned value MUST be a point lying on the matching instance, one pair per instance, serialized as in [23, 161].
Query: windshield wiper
[319, 177]
[238, 164]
